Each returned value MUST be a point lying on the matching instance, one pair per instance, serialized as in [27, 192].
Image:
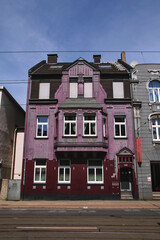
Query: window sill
[63, 184]
[90, 136]
[120, 138]
[95, 184]
[40, 183]
[69, 136]
[156, 141]
[41, 138]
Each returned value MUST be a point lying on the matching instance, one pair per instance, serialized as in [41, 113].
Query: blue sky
[61, 25]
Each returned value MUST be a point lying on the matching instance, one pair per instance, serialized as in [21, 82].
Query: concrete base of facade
[145, 196]
[4, 189]
[69, 197]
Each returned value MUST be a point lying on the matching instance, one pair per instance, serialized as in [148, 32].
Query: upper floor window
[120, 126]
[73, 88]
[70, 125]
[88, 93]
[104, 127]
[40, 171]
[154, 91]
[95, 171]
[42, 127]
[156, 129]
[44, 90]
[64, 171]
[118, 90]
[89, 125]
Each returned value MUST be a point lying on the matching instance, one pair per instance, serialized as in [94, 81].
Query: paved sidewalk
[92, 204]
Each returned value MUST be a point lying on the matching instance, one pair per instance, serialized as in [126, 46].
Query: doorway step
[156, 195]
[125, 195]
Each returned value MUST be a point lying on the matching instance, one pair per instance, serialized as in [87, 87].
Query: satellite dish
[133, 63]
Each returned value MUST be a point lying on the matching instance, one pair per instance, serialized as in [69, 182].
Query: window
[44, 89]
[64, 171]
[156, 129]
[125, 159]
[118, 90]
[95, 171]
[120, 126]
[70, 125]
[88, 88]
[89, 125]
[104, 127]
[42, 127]
[40, 171]
[154, 91]
[73, 87]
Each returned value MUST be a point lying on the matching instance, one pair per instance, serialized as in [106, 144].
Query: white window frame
[44, 90]
[70, 122]
[153, 92]
[42, 124]
[89, 122]
[104, 127]
[118, 90]
[157, 127]
[120, 124]
[40, 167]
[73, 89]
[88, 91]
[95, 167]
[64, 167]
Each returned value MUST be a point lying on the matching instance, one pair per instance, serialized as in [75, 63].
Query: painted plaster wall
[150, 151]
[10, 118]
[18, 155]
[40, 148]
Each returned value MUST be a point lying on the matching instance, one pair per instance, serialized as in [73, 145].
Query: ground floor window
[40, 171]
[64, 175]
[95, 171]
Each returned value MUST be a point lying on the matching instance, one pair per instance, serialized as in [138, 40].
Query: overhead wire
[77, 51]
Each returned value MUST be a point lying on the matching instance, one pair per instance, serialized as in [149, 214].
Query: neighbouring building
[146, 103]
[79, 135]
[12, 117]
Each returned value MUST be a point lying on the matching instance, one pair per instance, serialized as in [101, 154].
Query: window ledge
[95, 184]
[41, 138]
[40, 183]
[120, 138]
[69, 136]
[156, 141]
[63, 184]
[90, 136]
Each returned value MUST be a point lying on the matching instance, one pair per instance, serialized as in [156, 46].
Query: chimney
[97, 58]
[52, 58]
[123, 56]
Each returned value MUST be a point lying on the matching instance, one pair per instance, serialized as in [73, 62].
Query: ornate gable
[125, 151]
[80, 68]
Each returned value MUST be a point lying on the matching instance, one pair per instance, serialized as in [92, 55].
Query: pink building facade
[79, 135]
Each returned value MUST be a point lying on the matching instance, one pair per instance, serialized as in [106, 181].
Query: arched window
[154, 91]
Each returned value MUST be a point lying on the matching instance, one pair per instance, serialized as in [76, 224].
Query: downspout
[136, 173]
[26, 131]
[13, 154]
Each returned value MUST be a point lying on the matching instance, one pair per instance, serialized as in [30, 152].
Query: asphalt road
[79, 224]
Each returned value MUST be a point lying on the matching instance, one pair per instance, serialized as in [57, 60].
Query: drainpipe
[26, 131]
[136, 172]
[13, 154]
